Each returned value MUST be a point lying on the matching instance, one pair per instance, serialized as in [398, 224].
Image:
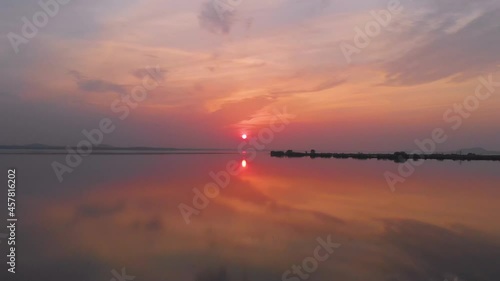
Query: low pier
[398, 157]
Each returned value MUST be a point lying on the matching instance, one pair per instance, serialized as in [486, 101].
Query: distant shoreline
[120, 153]
[398, 157]
[104, 147]
[38, 149]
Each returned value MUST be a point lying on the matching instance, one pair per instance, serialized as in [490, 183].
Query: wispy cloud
[212, 21]
[96, 85]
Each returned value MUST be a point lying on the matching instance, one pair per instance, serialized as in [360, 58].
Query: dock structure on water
[398, 157]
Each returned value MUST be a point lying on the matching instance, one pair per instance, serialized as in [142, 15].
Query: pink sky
[222, 76]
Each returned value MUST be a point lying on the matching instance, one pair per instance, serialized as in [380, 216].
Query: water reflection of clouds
[260, 225]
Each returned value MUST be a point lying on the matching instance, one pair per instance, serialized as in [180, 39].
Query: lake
[124, 217]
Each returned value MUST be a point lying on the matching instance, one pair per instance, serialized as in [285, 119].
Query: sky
[220, 73]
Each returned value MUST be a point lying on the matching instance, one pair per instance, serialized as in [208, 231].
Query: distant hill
[38, 146]
[30, 146]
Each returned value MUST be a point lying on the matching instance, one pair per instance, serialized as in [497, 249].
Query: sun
[244, 136]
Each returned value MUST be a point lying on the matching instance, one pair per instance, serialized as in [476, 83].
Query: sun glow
[244, 136]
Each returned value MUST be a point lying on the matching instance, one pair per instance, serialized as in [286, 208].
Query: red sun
[244, 136]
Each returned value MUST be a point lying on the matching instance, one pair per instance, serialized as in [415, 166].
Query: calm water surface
[117, 212]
